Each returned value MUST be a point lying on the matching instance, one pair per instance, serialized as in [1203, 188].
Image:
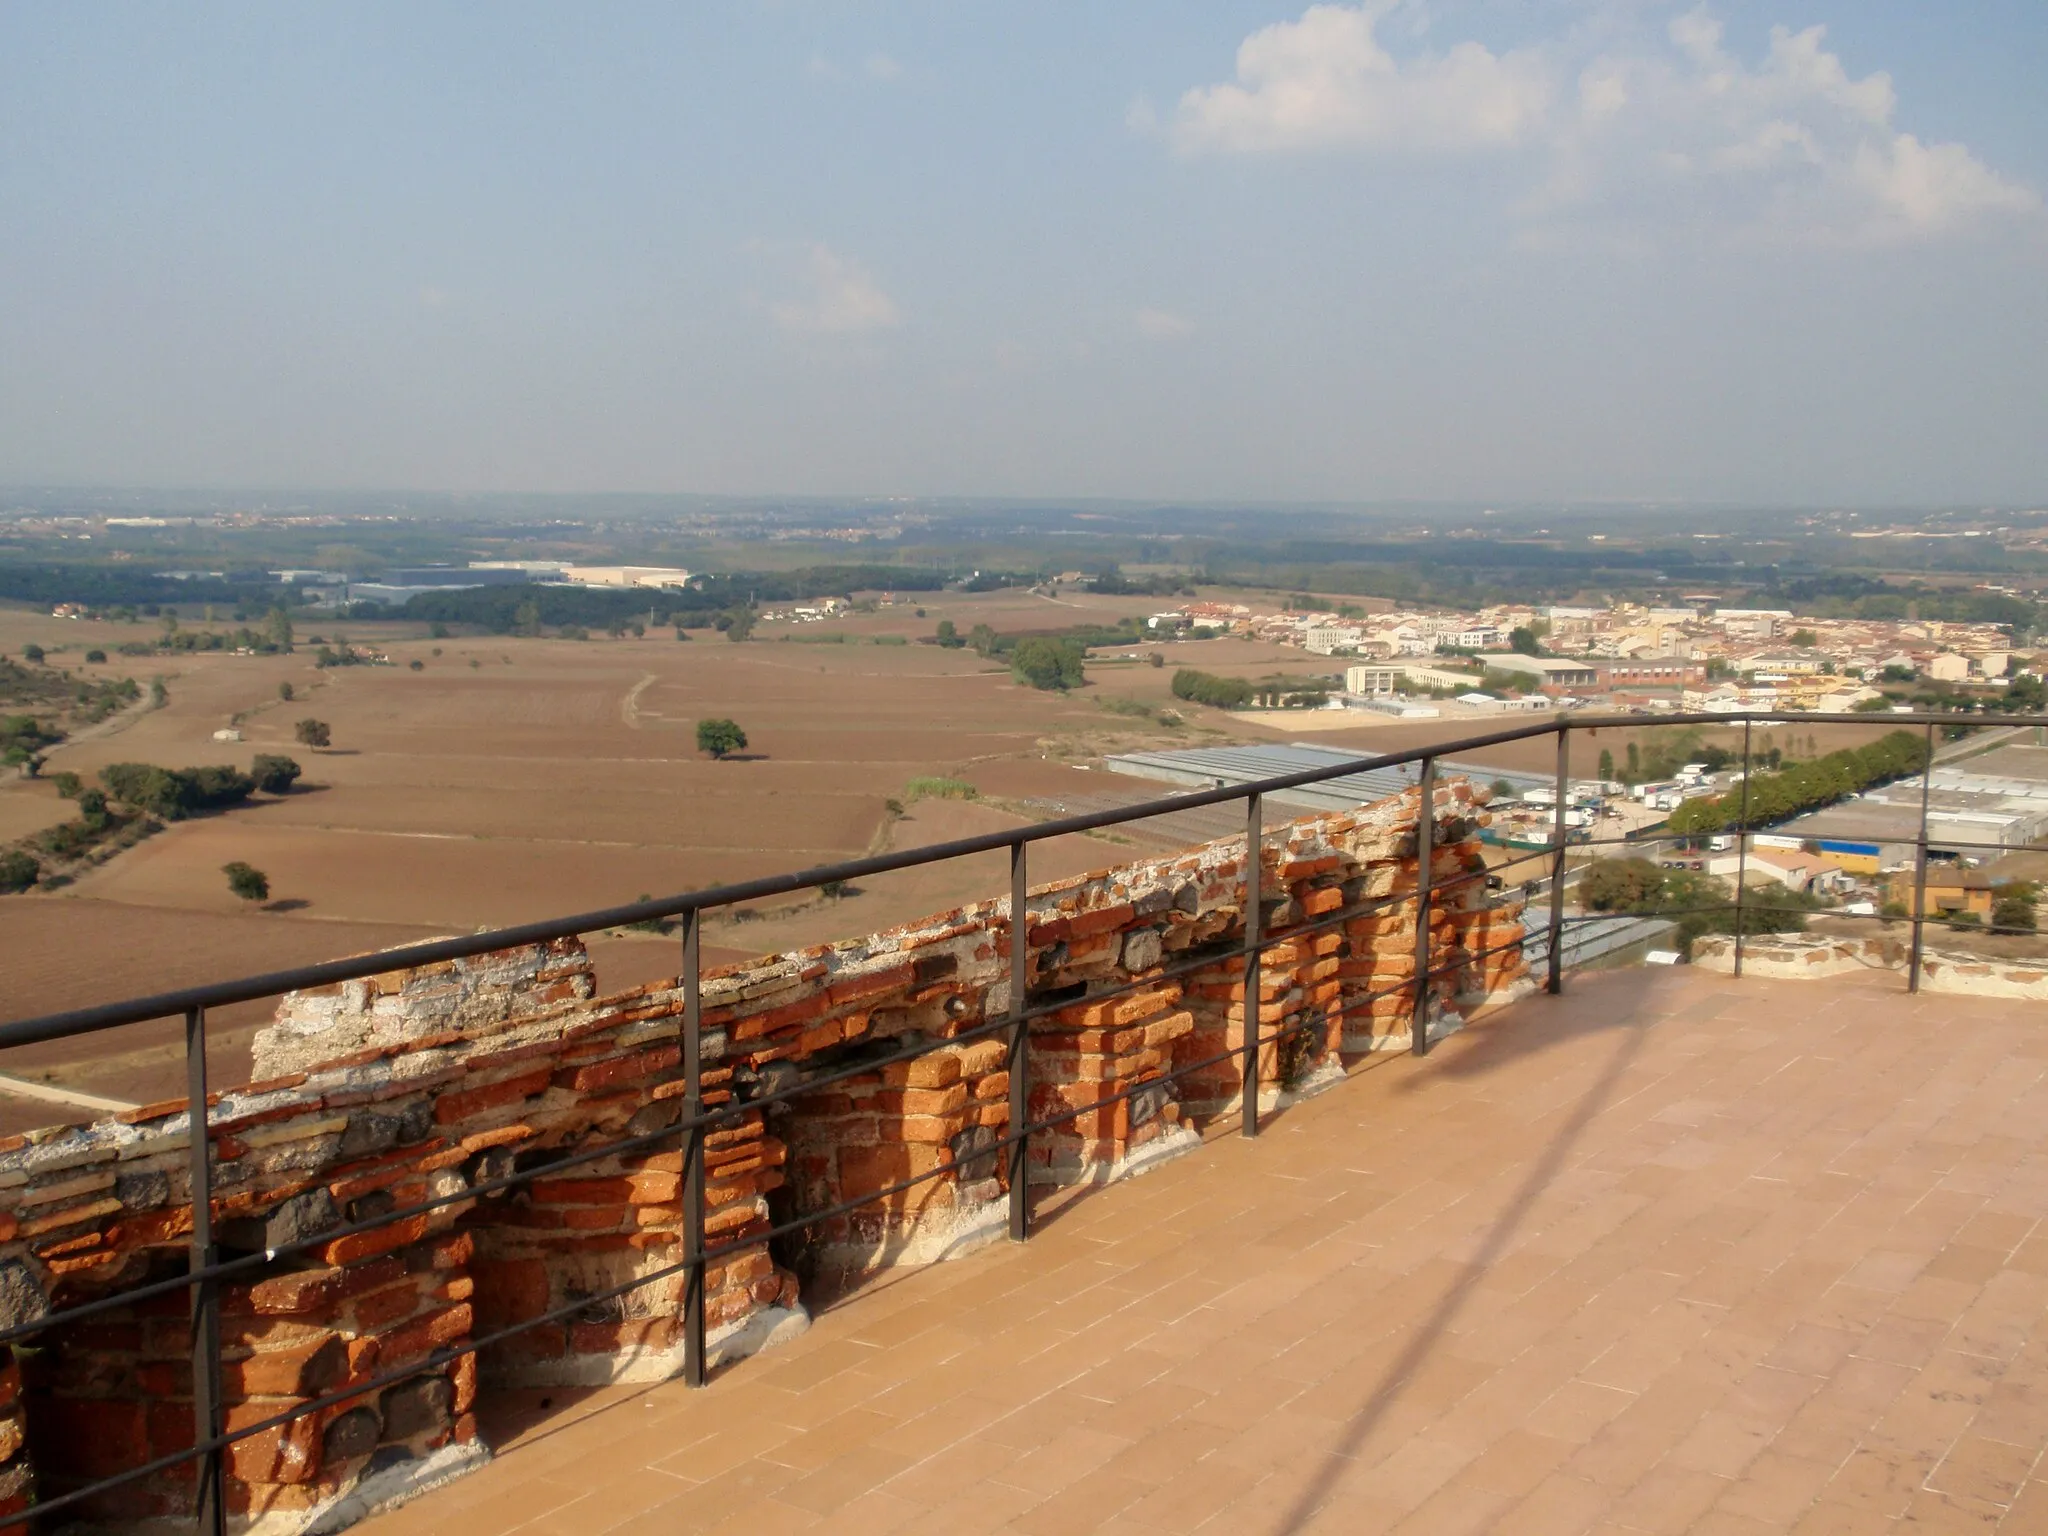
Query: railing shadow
[1488, 1056]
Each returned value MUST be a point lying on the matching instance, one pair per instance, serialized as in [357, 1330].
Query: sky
[1784, 252]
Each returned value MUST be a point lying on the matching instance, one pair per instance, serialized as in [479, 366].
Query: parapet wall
[1804, 956]
[430, 1082]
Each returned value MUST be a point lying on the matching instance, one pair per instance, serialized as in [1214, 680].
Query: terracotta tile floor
[1671, 1253]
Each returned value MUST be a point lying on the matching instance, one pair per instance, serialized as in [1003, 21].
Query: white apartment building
[1372, 682]
[1328, 639]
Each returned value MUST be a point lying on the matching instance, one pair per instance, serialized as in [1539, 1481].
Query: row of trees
[175, 793]
[1208, 688]
[1773, 797]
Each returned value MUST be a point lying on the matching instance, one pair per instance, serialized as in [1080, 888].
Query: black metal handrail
[206, 1271]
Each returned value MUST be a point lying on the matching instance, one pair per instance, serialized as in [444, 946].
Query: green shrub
[274, 775]
[1051, 665]
[719, 737]
[18, 871]
[247, 881]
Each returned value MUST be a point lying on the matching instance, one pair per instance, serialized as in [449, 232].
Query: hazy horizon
[1597, 252]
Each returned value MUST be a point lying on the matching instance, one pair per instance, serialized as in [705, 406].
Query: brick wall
[433, 1081]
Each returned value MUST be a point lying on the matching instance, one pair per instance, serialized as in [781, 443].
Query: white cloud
[1675, 131]
[1163, 324]
[842, 299]
[1325, 82]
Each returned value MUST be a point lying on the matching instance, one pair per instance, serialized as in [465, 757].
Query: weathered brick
[453, 1107]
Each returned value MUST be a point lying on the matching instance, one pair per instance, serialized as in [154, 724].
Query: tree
[32, 653]
[1805, 638]
[2013, 906]
[948, 635]
[1635, 763]
[1524, 640]
[274, 775]
[18, 871]
[742, 625]
[312, 733]
[96, 657]
[982, 640]
[284, 692]
[247, 881]
[719, 737]
[1621, 885]
[1047, 664]
[68, 784]
[277, 629]
[1606, 764]
[1503, 790]
[1156, 659]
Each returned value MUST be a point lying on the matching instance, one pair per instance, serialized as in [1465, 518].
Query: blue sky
[1541, 250]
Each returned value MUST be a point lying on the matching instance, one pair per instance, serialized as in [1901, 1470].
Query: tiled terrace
[1670, 1253]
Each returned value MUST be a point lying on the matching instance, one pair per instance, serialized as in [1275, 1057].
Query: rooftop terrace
[1670, 1252]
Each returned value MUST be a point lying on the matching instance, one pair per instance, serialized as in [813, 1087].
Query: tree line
[1768, 798]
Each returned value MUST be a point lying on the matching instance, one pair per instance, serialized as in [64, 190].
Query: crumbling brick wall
[431, 1082]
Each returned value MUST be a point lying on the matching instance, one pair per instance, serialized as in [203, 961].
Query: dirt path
[629, 707]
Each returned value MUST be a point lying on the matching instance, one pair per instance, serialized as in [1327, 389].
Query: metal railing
[207, 1270]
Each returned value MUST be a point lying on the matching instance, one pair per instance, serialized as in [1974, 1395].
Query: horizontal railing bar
[37, 1029]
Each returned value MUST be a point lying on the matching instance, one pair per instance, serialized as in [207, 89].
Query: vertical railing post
[1020, 1048]
[1920, 869]
[1554, 983]
[1742, 847]
[693, 1152]
[210, 1505]
[1425, 871]
[1254, 898]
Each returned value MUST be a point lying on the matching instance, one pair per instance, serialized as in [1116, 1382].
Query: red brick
[620, 1069]
[373, 1311]
[363, 1245]
[854, 989]
[289, 1453]
[451, 1107]
[303, 1369]
[423, 1336]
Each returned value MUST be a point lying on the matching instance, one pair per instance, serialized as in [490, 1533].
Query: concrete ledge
[1803, 957]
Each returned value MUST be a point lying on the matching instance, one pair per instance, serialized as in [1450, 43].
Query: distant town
[1692, 659]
